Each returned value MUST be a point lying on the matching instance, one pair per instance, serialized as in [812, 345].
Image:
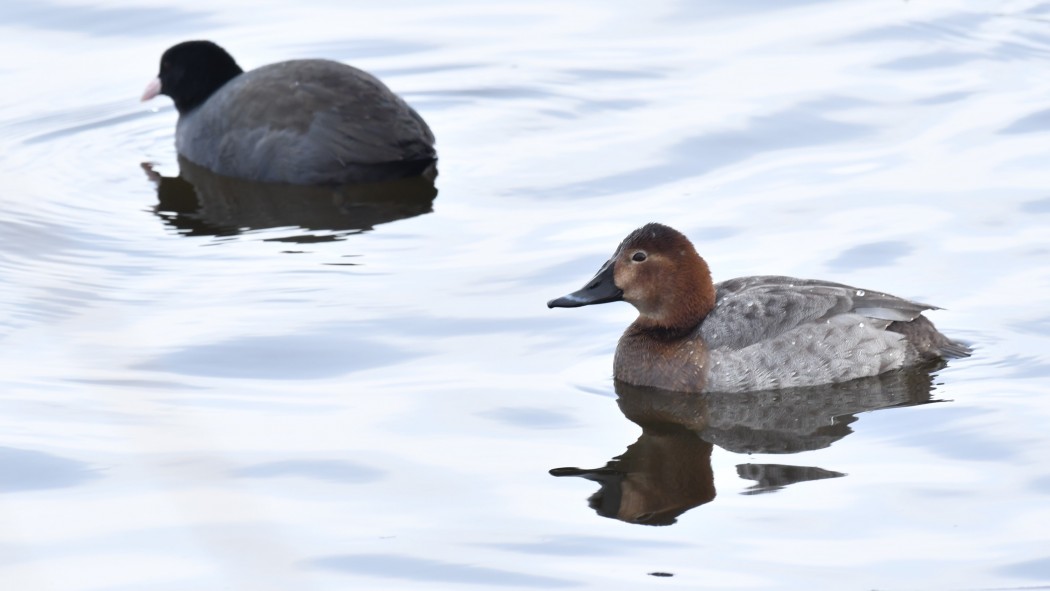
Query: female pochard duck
[749, 333]
[302, 122]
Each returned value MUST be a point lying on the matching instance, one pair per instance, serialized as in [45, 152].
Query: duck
[750, 333]
[300, 122]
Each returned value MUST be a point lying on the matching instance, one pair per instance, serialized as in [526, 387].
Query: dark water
[338, 391]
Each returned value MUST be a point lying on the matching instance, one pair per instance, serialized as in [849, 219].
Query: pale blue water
[210, 395]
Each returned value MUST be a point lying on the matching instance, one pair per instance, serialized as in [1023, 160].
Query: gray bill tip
[569, 301]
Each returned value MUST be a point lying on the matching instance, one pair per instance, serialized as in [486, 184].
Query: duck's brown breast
[671, 364]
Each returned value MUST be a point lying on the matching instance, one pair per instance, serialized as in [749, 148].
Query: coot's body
[306, 122]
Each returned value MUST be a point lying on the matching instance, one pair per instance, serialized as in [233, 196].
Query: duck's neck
[663, 347]
[677, 312]
[652, 328]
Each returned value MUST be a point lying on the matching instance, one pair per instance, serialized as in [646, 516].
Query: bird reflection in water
[667, 471]
[199, 202]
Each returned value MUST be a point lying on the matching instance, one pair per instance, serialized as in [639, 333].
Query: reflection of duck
[200, 202]
[749, 333]
[667, 471]
[662, 475]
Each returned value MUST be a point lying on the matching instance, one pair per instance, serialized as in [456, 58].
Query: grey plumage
[769, 332]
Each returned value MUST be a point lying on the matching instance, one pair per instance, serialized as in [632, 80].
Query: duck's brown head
[657, 270]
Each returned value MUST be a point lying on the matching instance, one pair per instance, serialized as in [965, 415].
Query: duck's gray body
[772, 332]
[769, 332]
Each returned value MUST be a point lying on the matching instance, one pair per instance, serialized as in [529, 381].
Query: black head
[190, 72]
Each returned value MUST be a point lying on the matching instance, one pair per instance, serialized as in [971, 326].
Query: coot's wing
[307, 121]
[364, 121]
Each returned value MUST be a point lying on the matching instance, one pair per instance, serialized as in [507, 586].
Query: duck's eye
[638, 256]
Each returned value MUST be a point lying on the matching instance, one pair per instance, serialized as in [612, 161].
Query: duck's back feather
[750, 310]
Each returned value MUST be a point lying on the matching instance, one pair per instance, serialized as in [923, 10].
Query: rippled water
[204, 392]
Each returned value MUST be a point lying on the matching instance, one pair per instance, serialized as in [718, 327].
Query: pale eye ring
[639, 256]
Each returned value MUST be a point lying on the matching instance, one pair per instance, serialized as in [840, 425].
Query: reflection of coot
[668, 470]
[199, 202]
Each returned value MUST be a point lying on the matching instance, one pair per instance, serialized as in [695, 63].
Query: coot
[304, 122]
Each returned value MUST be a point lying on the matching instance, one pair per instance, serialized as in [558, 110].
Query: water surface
[212, 395]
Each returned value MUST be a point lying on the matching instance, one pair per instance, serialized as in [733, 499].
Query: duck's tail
[928, 341]
[954, 349]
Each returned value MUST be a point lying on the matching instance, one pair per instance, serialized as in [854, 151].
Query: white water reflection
[379, 408]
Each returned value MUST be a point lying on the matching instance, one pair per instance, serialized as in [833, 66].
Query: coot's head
[190, 72]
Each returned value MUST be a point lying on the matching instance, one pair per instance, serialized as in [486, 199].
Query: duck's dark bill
[599, 290]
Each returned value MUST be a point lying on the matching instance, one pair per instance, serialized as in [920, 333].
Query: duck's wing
[749, 310]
